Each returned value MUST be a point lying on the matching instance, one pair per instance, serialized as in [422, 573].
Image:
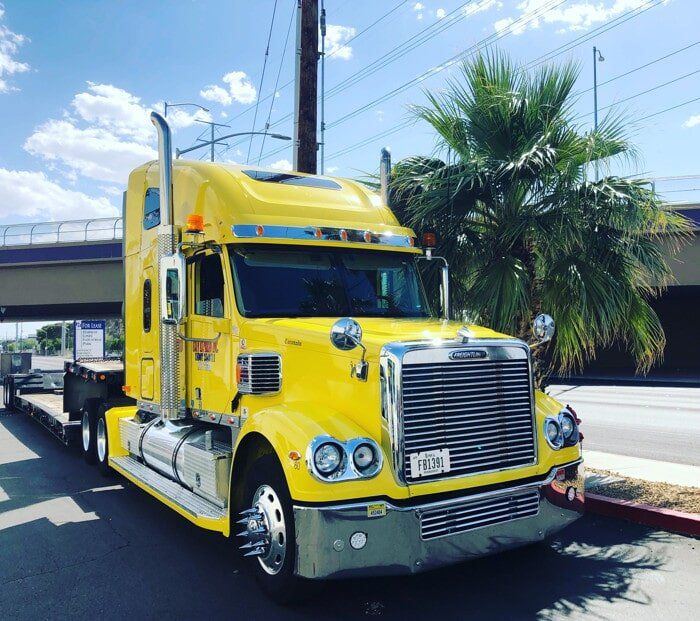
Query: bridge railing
[94, 229]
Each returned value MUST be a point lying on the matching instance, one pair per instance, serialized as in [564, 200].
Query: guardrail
[94, 229]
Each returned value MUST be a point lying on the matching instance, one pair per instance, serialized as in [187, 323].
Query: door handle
[189, 339]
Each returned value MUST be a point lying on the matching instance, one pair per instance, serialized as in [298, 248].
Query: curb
[665, 519]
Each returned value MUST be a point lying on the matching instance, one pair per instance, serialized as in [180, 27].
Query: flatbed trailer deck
[58, 405]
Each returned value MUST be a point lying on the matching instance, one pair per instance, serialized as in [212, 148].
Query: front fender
[291, 427]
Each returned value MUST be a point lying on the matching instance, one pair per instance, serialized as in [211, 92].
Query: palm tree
[525, 225]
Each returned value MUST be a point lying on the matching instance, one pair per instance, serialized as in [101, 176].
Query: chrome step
[174, 492]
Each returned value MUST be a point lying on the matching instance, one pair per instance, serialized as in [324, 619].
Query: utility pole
[597, 58]
[306, 98]
[212, 141]
[322, 144]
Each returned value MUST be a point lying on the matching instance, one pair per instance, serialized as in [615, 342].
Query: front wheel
[268, 531]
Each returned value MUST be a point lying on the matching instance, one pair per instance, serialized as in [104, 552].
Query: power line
[525, 19]
[279, 72]
[609, 25]
[644, 92]
[353, 38]
[578, 41]
[635, 69]
[262, 77]
[680, 105]
[403, 48]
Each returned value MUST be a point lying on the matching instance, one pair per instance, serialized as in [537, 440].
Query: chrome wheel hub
[101, 440]
[265, 530]
[85, 428]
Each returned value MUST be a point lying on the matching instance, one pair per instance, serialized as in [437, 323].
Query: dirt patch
[664, 495]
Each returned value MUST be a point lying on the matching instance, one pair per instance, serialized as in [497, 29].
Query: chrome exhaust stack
[385, 175]
[168, 279]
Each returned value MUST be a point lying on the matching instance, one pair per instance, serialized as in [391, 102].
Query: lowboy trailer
[287, 384]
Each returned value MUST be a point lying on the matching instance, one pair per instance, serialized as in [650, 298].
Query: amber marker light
[343, 235]
[260, 230]
[318, 233]
[429, 240]
[294, 455]
[367, 237]
[195, 223]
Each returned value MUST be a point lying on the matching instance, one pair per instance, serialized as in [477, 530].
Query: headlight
[327, 458]
[364, 457]
[553, 433]
[569, 427]
[331, 460]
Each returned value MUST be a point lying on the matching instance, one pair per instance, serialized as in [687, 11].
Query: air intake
[259, 374]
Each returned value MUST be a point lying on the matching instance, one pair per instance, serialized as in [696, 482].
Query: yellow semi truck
[287, 385]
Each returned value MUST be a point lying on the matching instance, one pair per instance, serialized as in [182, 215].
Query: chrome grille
[460, 518]
[259, 373]
[480, 409]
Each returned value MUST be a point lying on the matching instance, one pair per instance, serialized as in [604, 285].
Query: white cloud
[281, 165]
[418, 6]
[34, 195]
[92, 152]
[440, 13]
[111, 190]
[240, 89]
[576, 16]
[336, 39]
[215, 93]
[332, 169]
[481, 5]
[692, 121]
[9, 47]
[107, 134]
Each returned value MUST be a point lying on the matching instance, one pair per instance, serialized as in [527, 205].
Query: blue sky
[78, 78]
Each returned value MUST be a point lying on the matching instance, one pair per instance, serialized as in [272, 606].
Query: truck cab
[293, 388]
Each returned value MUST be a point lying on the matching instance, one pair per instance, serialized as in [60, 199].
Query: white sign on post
[89, 339]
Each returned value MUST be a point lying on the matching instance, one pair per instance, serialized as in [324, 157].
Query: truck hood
[314, 332]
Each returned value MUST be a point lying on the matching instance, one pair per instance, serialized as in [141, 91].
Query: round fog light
[363, 456]
[358, 540]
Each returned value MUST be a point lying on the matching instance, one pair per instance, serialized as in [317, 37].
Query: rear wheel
[102, 442]
[268, 531]
[88, 431]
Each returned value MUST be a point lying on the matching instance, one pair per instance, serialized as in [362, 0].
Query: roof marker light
[195, 223]
[318, 233]
[343, 235]
[259, 230]
[367, 237]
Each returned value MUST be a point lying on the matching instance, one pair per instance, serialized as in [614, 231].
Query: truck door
[209, 347]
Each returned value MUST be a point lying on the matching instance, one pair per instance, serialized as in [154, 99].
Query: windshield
[318, 282]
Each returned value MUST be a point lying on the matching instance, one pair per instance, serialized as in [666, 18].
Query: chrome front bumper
[398, 542]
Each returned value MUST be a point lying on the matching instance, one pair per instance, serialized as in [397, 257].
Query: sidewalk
[645, 469]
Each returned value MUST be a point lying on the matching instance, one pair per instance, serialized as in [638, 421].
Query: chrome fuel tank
[196, 455]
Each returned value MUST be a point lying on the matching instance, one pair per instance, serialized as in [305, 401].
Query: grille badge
[467, 354]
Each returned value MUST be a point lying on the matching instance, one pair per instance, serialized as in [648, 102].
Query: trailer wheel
[102, 443]
[268, 532]
[88, 432]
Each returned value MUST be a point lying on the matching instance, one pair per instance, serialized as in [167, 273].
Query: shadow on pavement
[104, 547]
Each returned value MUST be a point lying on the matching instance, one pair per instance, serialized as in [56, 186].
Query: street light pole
[179, 152]
[597, 58]
[167, 105]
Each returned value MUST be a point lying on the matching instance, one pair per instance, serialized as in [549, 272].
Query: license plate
[430, 462]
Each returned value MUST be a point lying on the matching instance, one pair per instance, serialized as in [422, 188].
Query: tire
[102, 442]
[88, 422]
[265, 489]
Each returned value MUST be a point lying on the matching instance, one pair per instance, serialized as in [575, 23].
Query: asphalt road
[653, 422]
[76, 545]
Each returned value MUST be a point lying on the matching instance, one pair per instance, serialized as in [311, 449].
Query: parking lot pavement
[76, 545]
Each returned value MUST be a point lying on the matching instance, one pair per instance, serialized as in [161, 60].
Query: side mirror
[346, 334]
[173, 294]
[543, 328]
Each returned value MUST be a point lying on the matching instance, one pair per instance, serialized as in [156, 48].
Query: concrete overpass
[61, 270]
